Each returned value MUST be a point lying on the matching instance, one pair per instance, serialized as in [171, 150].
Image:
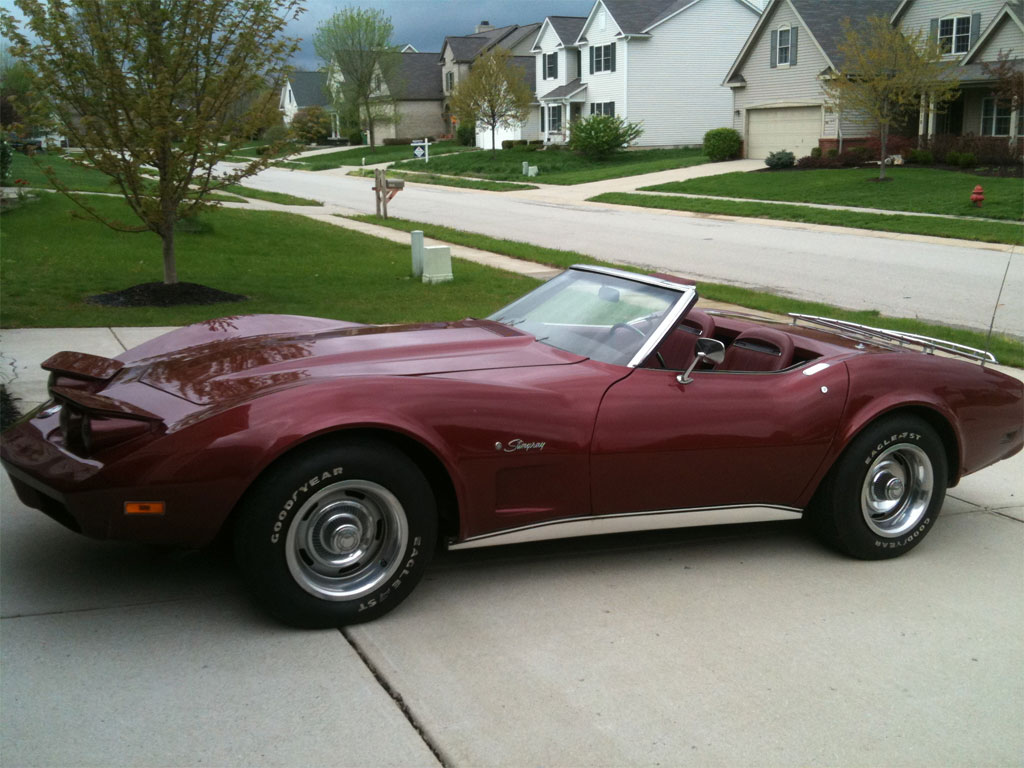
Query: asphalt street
[954, 284]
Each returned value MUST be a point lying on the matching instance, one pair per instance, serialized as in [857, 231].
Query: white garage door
[794, 128]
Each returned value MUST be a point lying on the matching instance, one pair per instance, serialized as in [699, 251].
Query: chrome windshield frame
[687, 298]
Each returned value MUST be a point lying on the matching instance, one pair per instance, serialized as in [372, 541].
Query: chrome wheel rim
[347, 540]
[897, 489]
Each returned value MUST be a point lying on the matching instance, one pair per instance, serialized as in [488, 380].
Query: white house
[660, 63]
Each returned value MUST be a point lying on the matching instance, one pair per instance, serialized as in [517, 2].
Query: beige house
[776, 81]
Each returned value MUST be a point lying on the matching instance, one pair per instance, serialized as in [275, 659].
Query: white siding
[675, 77]
[796, 85]
[1008, 37]
[919, 14]
[604, 86]
[548, 43]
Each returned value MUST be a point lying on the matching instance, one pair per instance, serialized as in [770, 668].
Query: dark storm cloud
[425, 23]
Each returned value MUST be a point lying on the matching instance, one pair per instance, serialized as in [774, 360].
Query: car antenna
[999, 296]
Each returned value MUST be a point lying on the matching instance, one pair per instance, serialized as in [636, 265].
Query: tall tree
[495, 95]
[885, 72]
[361, 64]
[176, 85]
[15, 85]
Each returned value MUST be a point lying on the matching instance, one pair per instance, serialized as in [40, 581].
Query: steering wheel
[629, 327]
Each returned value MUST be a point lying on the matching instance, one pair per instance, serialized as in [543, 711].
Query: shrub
[722, 144]
[781, 159]
[854, 156]
[815, 151]
[274, 133]
[355, 138]
[600, 136]
[465, 134]
[817, 161]
[920, 157]
[311, 125]
[953, 157]
[987, 150]
[967, 160]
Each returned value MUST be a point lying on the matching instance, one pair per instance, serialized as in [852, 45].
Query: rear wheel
[336, 535]
[885, 492]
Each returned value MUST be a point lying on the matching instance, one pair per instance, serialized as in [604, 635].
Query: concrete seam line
[397, 698]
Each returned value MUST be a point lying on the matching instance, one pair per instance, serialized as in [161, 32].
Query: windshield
[593, 314]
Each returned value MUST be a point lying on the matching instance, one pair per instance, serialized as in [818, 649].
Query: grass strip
[271, 197]
[51, 261]
[1008, 351]
[448, 181]
[982, 231]
[921, 190]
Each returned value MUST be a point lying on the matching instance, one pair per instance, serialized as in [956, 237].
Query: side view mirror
[707, 349]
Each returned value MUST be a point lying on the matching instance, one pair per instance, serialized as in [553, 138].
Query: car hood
[237, 368]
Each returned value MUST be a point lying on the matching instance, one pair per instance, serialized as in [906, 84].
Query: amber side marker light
[143, 507]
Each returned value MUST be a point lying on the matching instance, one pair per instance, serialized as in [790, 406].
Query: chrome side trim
[631, 522]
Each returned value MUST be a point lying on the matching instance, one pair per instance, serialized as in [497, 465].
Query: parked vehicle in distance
[338, 456]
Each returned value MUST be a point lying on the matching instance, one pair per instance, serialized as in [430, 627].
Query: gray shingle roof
[529, 65]
[468, 47]
[634, 16]
[309, 89]
[824, 19]
[567, 28]
[564, 91]
[418, 77]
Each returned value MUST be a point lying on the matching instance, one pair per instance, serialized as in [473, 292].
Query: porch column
[931, 118]
[1014, 113]
[922, 117]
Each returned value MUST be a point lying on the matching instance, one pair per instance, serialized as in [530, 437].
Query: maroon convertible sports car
[337, 455]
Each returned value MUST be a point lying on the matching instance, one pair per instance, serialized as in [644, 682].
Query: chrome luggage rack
[924, 344]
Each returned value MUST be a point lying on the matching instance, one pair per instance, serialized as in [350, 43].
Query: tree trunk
[170, 269]
[494, 138]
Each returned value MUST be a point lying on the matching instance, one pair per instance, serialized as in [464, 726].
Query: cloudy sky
[425, 23]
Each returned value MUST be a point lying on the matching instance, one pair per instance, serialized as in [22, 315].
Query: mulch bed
[164, 295]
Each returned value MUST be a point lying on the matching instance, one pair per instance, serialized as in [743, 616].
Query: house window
[602, 58]
[550, 66]
[554, 119]
[603, 108]
[955, 34]
[995, 118]
[449, 81]
[784, 39]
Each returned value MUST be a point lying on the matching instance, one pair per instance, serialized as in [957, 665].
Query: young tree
[885, 72]
[157, 83]
[1008, 88]
[15, 85]
[494, 95]
[355, 46]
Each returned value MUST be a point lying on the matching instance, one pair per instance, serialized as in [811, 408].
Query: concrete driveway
[733, 645]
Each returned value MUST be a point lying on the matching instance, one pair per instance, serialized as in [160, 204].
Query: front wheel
[336, 535]
[885, 492]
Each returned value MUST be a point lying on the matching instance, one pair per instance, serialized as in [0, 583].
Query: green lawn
[965, 229]
[1007, 350]
[273, 197]
[448, 181]
[75, 176]
[52, 261]
[923, 190]
[381, 154]
[558, 166]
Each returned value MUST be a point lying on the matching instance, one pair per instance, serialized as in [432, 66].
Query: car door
[726, 438]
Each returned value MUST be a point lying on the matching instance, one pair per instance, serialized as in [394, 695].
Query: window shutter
[773, 57]
[792, 46]
[934, 34]
[613, 56]
[555, 68]
[975, 28]
[610, 110]
[591, 49]
[542, 119]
